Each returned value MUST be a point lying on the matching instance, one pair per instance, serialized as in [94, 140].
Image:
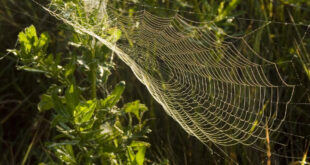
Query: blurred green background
[279, 42]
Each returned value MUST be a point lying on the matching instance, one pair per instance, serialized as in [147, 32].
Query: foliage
[23, 130]
[92, 130]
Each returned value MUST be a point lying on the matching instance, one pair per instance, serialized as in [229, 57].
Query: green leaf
[63, 143]
[137, 158]
[72, 97]
[31, 69]
[139, 144]
[136, 108]
[140, 155]
[115, 34]
[59, 106]
[46, 103]
[222, 13]
[130, 155]
[59, 119]
[70, 68]
[28, 39]
[32, 52]
[84, 112]
[114, 97]
[43, 40]
[49, 163]
[66, 154]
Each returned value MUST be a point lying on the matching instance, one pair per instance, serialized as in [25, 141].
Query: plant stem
[93, 73]
[268, 145]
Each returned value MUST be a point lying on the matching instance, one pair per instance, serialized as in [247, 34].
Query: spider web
[213, 84]
[213, 90]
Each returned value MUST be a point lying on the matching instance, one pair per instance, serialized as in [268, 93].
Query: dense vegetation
[63, 96]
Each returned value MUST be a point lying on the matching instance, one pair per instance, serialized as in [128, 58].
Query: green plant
[91, 129]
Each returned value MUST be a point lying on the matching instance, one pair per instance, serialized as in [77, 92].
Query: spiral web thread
[214, 85]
